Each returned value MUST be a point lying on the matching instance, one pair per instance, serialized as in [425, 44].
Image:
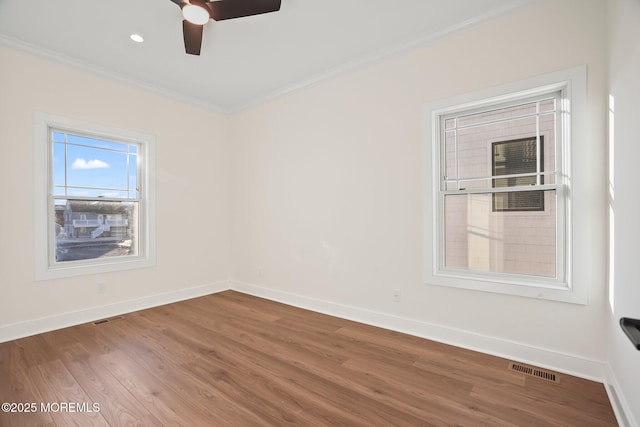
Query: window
[500, 189]
[520, 161]
[94, 198]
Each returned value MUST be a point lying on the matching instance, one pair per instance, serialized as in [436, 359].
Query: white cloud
[91, 164]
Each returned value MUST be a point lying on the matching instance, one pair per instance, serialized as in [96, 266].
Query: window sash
[557, 282]
[455, 114]
[560, 281]
[133, 148]
[541, 187]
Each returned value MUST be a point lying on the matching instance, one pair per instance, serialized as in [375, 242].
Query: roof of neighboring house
[98, 207]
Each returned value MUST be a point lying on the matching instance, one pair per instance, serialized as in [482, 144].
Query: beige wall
[327, 184]
[322, 191]
[624, 224]
[192, 188]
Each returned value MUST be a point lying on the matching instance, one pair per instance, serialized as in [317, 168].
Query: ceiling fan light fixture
[195, 14]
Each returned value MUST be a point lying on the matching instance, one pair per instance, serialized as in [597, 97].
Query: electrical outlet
[101, 287]
[397, 295]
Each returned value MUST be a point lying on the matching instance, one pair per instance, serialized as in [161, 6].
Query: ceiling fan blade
[229, 9]
[192, 37]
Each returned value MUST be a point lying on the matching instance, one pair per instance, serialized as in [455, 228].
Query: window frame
[44, 215]
[572, 84]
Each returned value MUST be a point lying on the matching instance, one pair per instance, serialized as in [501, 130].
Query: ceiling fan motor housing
[198, 12]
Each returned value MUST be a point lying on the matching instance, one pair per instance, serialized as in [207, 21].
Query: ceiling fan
[198, 12]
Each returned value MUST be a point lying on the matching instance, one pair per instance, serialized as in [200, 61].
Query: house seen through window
[518, 161]
[95, 197]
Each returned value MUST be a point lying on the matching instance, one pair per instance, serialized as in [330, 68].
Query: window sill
[509, 285]
[80, 268]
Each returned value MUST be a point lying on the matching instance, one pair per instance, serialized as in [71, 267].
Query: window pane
[94, 229]
[96, 168]
[548, 105]
[91, 167]
[58, 137]
[58, 164]
[59, 191]
[474, 144]
[479, 239]
[518, 201]
[514, 157]
[497, 114]
[450, 156]
[465, 184]
[133, 172]
[468, 150]
[97, 192]
[94, 142]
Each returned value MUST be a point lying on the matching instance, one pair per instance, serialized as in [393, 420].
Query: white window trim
[43, 226]
[569, 289]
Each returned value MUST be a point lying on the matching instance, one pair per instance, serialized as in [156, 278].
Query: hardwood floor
[231, 359]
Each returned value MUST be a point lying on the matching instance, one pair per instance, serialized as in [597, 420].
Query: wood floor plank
[204, 393]
[232, 359]
[281, 363]
[469, 369]
[60, 390]
[32, 351]
[284, 351]
[161, 401]
[17, 387]
[251, 381]
[220, 355]
[117, 405]
[544, 411]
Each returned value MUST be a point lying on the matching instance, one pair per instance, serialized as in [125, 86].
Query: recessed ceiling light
[136, 38]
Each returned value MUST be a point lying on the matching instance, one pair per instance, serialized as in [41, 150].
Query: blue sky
[94, 167]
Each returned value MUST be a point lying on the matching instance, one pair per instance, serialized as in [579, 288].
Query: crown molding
[261, 99]
[62, 59]
[383, 54]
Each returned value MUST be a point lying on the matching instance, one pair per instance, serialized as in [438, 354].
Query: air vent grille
[110, 319]
[534, 372]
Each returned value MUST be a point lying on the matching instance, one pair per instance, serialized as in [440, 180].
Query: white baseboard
[620, 405]
[58, 321]
[557, 361]
[561, 362]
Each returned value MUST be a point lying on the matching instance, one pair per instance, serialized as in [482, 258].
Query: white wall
[624, 87]
[327, 183]
[192, 188]
[321, 191]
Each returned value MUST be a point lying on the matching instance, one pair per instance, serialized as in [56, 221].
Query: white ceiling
[243, 61]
